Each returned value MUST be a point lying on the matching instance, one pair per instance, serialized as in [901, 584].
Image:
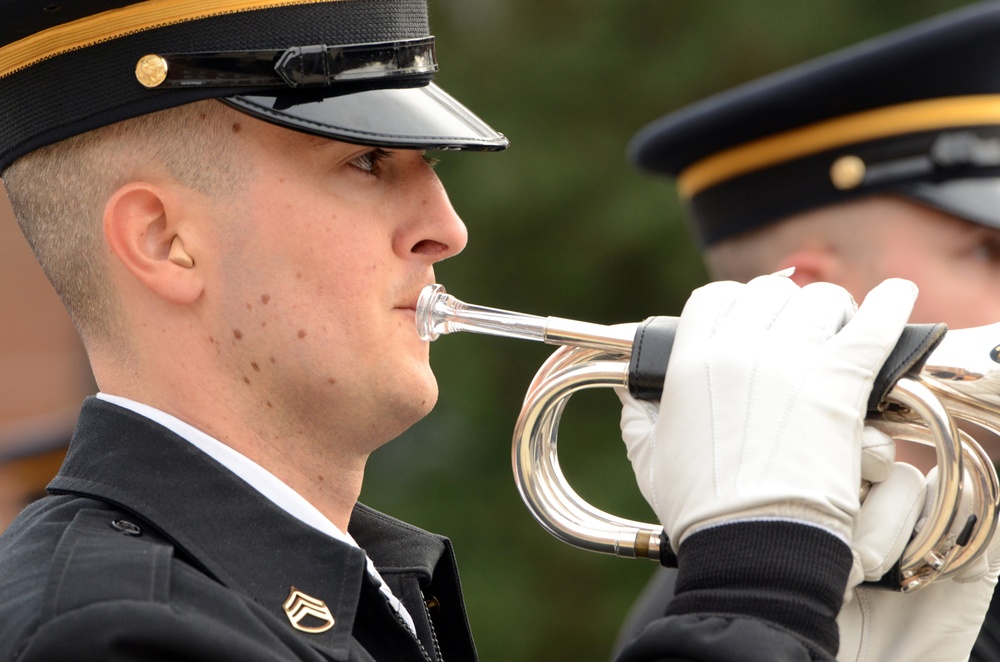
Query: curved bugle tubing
[916, 399]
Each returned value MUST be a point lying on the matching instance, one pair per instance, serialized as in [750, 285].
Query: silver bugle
[959, 380]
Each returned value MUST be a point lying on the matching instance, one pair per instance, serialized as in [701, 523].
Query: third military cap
[915, 113]
[355, 70]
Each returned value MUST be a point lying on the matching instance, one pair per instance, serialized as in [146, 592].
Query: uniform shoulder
[84, 580]
[64, 553]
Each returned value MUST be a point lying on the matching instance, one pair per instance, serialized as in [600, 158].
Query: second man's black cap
[353, 70]
[915, 113]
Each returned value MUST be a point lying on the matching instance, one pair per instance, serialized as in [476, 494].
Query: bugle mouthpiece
[439, 313]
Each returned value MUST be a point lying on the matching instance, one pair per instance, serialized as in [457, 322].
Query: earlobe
[145, 226]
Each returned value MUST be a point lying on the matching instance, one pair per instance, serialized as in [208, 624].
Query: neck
[314, 443]
[328, 475]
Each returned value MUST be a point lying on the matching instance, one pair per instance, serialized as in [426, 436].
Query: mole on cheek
[302, 334]
[255, 366]
[264, 298]
[238, 334]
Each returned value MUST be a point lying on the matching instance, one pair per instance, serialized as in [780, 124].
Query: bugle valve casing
[958, 380]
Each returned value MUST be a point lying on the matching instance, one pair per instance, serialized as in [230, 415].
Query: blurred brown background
[44, 374]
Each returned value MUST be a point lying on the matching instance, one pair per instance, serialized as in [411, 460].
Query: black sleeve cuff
[792, 575]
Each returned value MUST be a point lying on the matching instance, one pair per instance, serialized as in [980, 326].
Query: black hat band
[890, 165]
[296, 67]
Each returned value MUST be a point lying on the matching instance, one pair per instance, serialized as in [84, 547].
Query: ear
[145, 227]
[812, 265]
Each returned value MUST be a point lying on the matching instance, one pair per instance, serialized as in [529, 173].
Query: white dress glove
[888, 515]
[938, 623]
[764, 403]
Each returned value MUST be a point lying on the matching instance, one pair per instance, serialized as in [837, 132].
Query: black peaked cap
[915, 112]
[354, 70]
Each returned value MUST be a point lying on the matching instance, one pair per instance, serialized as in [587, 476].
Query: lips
[411, 301]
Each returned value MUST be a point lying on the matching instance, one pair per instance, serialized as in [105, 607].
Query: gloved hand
[938, 623]
[764, 403]
[887, 517]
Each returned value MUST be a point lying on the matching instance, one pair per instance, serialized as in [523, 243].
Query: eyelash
[370, 162]
[988, 248]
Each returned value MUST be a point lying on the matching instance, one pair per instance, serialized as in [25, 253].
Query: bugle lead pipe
[439, 313]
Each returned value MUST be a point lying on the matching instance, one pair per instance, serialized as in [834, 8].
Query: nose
[436, 232]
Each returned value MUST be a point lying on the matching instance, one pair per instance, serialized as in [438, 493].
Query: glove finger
[870, 335]
[814, 313]
[887, 518]
[637, 422]
[763, 300]
[703, 310]
[878, 453]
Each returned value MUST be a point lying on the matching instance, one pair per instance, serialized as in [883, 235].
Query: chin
[418, 398]
[430, 398]
[407, 413]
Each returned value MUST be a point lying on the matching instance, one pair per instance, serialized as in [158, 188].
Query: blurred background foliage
[561, 225]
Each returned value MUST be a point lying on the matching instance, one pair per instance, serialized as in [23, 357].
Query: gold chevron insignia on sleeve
[299, 607]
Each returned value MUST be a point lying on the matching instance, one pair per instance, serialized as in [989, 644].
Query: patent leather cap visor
[424, 117]
[975, 199]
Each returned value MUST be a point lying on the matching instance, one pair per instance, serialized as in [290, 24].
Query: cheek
[959, 305]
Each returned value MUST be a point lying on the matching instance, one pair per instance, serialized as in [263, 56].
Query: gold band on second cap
[924, 115]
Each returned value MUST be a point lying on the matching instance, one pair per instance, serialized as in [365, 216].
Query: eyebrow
[321, 144]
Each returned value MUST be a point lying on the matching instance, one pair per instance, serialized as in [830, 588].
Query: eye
[431, 160]
[987, 248]
[370, 161]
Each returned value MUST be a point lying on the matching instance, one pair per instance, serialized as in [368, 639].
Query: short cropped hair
[59, 192]
[848, 227]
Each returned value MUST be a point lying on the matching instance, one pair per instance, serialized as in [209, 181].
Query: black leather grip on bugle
[907, 357]
[651, 347]
[654, 340]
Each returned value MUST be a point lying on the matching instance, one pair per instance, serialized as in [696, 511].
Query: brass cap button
[151, 70]
[847, 172]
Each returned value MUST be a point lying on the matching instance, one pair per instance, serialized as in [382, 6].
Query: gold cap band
[928, 115]
[116, 23]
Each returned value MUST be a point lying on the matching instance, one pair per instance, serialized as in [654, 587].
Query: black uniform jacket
[148, 549]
